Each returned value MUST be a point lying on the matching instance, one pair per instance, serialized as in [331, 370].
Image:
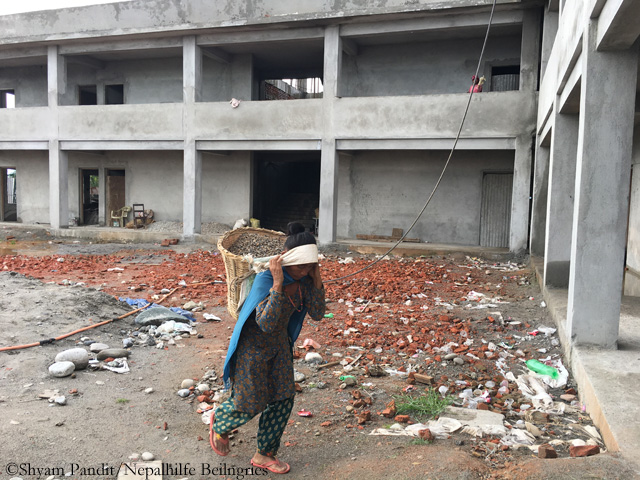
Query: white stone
[187, 383]
[98, 347]
[79, 357]
[62, 369]
[60, 400]
[148, 390]
[313, 357]
[147, 456]
[203, 387]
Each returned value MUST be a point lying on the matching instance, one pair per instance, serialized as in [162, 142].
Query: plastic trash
[541, 368]
[342, 378]
[305, 413]
[328, 315]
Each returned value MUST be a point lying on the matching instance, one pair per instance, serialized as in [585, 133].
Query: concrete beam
[426, 144]
[234, 145]
[86, 61]
[118, 46]
[79, 145]
[433, 22]
[261, 36]
[25, 52]
[569, 99]
[26, 145]
[217, 54]
[618, 25]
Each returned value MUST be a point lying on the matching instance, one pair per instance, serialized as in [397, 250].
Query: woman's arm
[314, 298]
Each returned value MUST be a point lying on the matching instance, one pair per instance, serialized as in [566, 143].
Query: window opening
[114, 94]
[505, 78]
[87, 95]
[7, 99]
[291, 88]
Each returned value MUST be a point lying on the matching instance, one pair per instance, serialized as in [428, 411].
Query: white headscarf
[296, 256]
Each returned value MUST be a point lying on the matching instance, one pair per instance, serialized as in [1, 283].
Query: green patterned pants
[273, 421]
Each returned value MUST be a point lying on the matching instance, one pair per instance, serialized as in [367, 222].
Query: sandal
[224, 441]
[269, 466]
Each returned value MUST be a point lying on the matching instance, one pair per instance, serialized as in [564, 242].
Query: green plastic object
[328, 315]
[542, 369]
[344, 377]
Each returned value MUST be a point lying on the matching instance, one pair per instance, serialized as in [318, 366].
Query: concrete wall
[226, 187]
[387, 189]
[32, 178]
[444, 66]
[29, 84]
[632, 275]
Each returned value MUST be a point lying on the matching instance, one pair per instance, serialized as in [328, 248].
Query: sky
[8, 7]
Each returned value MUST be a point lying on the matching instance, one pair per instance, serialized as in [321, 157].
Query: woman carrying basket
[259, 363]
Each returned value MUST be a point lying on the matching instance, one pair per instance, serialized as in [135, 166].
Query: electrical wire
[455, 143]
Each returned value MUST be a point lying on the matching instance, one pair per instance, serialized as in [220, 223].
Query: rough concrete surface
[102, 424]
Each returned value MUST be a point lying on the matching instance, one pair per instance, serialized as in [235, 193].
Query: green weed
[427, 405]
[122, 400]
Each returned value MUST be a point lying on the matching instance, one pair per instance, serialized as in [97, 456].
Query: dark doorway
[90, 197]
[87, 95]
[114, 94]
[9, 197]
[286, 188]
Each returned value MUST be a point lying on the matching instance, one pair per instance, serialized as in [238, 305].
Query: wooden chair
[139, 217]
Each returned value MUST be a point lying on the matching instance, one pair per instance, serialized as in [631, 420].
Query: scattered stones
[547, 451]
[298, 376]
[128, 342]
[257, 246]
[583, 450]
[147, 456]
[97, 347]
[62, 369]
[187, 383]
[184, 392]
[78, 356]
[313, 357]
[148, 390]
[113, 353]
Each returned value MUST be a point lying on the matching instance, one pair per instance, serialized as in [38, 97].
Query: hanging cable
[455, 143]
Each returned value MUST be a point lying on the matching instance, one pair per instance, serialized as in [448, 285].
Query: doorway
[495, 210]
[90, 197]
[286, 189]
[9, 197]
[115, 191]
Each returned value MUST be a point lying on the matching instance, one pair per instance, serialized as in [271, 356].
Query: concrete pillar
[530, 50]
[562, 175]
[56, 75]
[521, 195]
[58, 186]
[104, 217]
[329, 158]
[549, 31]
[243, 87]
[539, 200]
[3, 192]
[192, 166]
[607, 104]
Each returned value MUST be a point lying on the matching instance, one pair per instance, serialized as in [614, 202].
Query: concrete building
[132, 100]
[188, 107]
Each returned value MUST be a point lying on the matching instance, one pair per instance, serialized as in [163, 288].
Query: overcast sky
[8, 7]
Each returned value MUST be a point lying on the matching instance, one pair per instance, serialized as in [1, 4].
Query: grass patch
[420, 441]
[122, 400]
[428, 405]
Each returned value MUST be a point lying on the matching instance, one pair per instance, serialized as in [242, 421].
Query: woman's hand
[314, 273]
[275, 267]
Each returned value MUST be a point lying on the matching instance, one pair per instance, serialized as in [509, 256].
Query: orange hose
[19, 347]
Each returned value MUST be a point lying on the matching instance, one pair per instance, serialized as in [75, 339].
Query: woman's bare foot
[270, 463]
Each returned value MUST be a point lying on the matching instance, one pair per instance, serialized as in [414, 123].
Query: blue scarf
[259, 291]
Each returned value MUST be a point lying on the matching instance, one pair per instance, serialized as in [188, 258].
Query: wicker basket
[237, 268]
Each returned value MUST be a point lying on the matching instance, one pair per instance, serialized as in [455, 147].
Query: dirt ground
[397, 315]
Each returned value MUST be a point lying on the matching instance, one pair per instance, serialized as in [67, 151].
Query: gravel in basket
[257, 246]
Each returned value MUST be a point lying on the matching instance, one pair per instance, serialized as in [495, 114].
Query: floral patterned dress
[264, 363]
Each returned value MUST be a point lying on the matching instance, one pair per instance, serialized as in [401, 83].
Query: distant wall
[226, 187]
[387, 189]
[29, 84]
[32, 172]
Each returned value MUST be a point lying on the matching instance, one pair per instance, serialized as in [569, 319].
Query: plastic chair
[119, 216]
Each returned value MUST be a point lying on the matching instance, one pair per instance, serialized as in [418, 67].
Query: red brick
[584, 450]
[547, 451]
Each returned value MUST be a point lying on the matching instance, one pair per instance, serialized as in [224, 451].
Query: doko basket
[237, 267]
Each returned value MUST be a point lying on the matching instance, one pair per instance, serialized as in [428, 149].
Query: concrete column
[562, 175]
[329, 158]
[242, 78]
[539, 200]
[521, 194]
[104, 217]
[549, 31]
[3, 192]
[530, 50]
[56, 75]
[58, 186]
[608, 90]
[192, 190]
[192, 166]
